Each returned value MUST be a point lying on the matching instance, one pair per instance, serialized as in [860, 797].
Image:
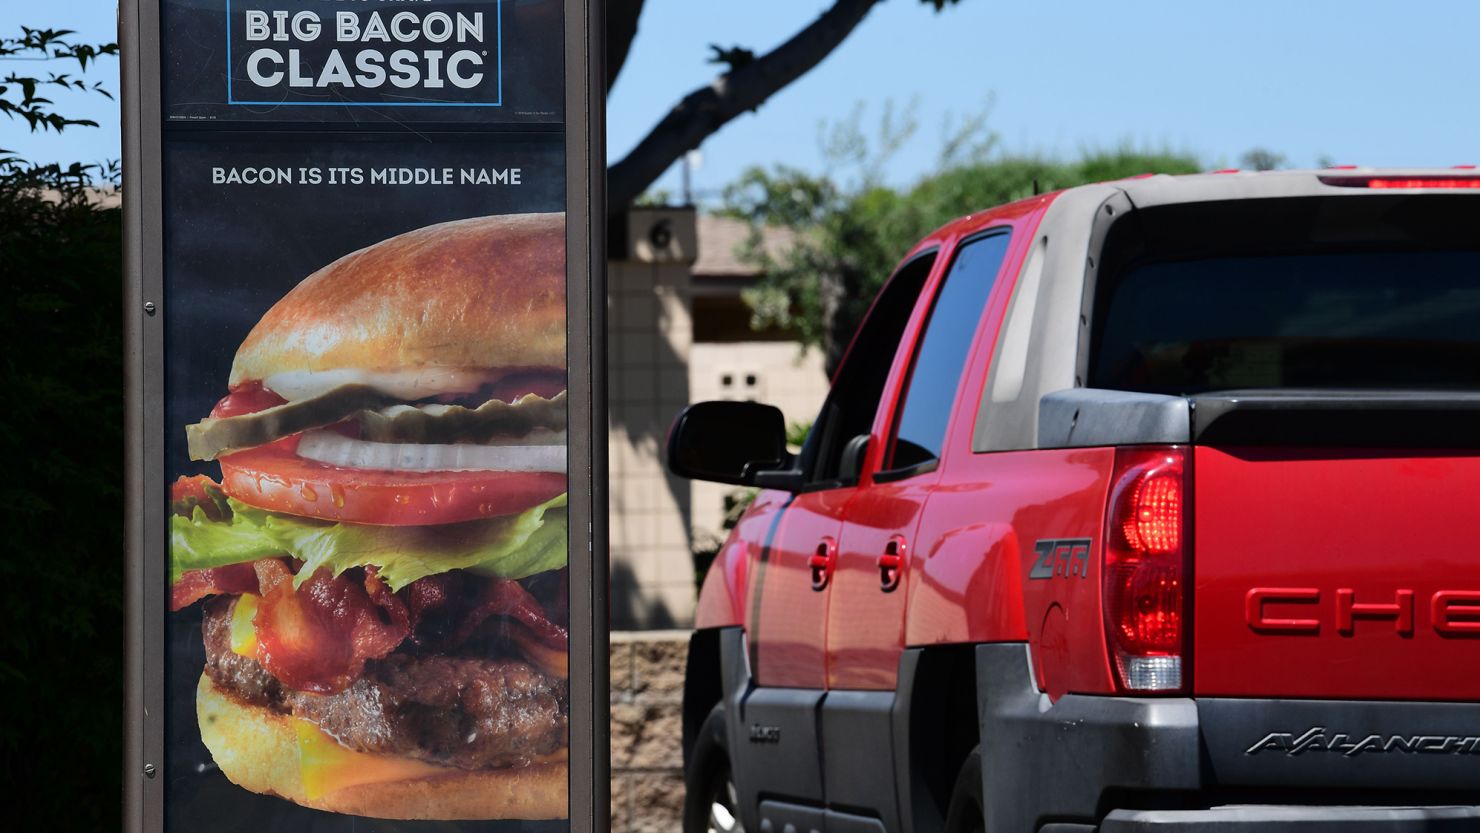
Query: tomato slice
[274, 478]
[246, 398]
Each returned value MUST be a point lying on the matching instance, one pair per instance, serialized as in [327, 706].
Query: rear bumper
[1282, 819]
[1127, 764]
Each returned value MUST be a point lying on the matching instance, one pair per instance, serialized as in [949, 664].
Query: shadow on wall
[649, 334]
[629, 607]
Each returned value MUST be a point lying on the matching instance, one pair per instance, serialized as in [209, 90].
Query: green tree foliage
[850, 238]
[21, 96]
[1261, 159]
[61, 665]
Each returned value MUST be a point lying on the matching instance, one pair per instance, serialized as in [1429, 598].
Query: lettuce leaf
[512, 547]
[199, 543]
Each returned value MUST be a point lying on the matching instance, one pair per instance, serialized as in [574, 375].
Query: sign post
[366, 415]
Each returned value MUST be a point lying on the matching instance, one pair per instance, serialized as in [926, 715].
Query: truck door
[775, 746]
[865, 631]
[866, 614]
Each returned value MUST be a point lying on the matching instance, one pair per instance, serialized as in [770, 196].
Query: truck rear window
[1335, 320]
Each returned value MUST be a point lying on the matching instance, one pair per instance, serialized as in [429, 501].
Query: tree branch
[707, 109]
[621, 29]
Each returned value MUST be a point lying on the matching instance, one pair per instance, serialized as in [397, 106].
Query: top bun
[486, 293]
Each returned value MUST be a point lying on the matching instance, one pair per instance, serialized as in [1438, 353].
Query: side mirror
[728, 442]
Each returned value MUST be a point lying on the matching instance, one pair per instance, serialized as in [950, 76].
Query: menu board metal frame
[146, 521]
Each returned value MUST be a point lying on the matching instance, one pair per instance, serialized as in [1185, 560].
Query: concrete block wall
[650, 333]
[647, 672]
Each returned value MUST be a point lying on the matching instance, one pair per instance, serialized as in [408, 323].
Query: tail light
[1146, 568]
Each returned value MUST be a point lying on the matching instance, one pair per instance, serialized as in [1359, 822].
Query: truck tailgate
[1336, 573]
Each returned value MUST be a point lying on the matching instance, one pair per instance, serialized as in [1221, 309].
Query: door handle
[822, 563]
[891, 564]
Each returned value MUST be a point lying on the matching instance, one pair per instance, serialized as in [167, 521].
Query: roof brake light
[1401, 182]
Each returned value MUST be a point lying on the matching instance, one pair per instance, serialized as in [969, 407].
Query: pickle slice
[437, 424]
[212, 438]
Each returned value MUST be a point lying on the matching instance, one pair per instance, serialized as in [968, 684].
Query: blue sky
[1359, 81]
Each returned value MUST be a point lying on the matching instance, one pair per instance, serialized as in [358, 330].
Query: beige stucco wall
[649, 342]
[654, 369]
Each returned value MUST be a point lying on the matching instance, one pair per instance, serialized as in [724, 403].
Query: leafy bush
[61, 669]
[61, 664]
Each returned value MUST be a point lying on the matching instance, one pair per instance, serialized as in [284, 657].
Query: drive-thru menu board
[361, 509]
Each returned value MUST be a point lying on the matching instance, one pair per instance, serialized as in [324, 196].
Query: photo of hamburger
[381, 566]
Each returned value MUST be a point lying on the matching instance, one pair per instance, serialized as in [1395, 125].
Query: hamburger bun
[488, 292]
[257, 749]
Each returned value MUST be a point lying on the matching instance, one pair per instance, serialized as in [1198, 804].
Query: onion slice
[338, 450]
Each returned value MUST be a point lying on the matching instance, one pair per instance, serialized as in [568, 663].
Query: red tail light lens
[1145, 587]
[1394, 182]
[1153, 521]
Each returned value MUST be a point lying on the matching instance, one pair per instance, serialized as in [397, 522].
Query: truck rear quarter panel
[980, 536]
[975, 549]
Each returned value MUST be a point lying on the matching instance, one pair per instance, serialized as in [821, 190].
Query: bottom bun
[258, 749]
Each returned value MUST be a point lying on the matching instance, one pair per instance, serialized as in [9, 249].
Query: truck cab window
[859, 384]
[935, 375]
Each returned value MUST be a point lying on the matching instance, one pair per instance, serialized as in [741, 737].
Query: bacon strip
[317, 638]
[433, 603]
[195, 585]
[500, 597]
[271, 572]
[186, 493]
[381, 595]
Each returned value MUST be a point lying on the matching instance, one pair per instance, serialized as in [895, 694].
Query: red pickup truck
[1140, 506]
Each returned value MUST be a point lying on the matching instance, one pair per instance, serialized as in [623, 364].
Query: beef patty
[467, 712]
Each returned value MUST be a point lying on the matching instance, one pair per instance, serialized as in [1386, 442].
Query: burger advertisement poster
[368, 522]
[366, 416]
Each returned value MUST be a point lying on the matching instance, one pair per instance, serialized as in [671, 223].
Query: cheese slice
[324, 767]
[243, 626]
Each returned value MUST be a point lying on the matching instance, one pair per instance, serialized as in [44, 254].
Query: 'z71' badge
[1061, 558]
